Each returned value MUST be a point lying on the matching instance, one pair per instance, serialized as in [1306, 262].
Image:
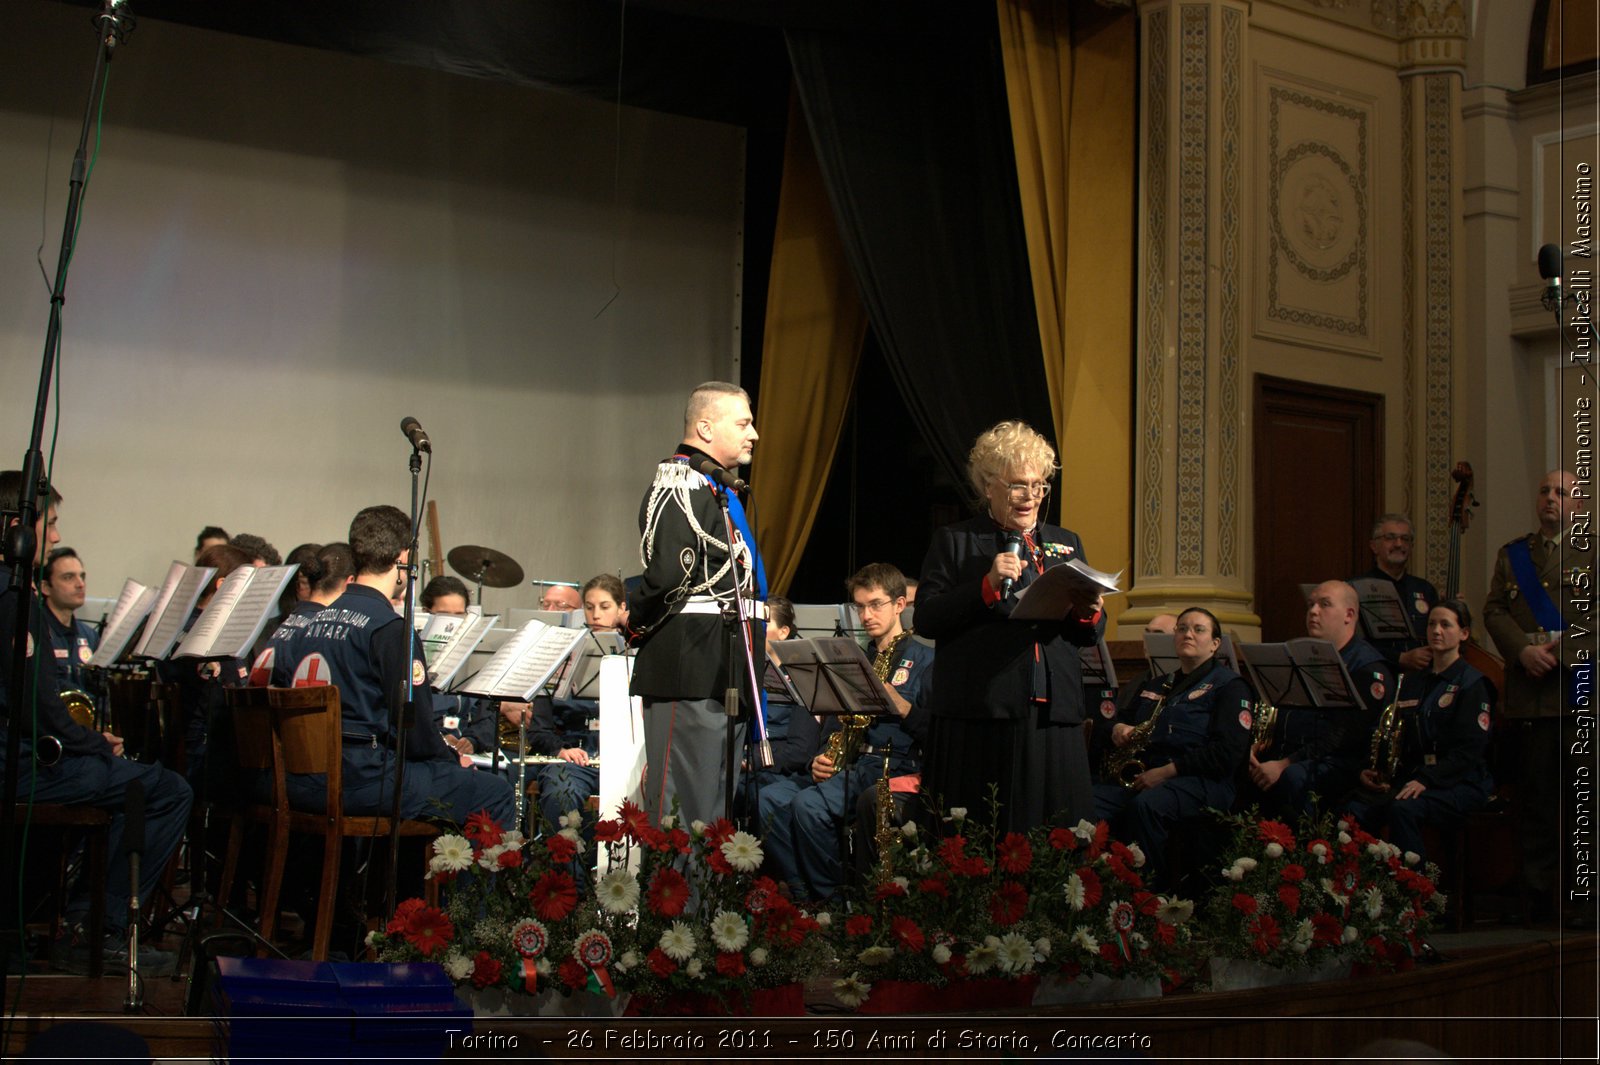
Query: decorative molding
[1408, 297]
[1194, 154]
[1318, 219]
[1438, 231]
[1230, 355]
[1155, 258]
[1435, 36]
[1380, 15]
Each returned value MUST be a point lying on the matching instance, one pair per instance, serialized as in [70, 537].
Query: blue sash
[740, 522]
[1545, 611]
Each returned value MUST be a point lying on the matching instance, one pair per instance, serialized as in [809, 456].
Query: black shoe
[70, 954]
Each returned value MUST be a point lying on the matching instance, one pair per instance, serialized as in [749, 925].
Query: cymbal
[485, 565]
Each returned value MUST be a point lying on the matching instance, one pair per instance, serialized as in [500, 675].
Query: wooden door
[1319, 485]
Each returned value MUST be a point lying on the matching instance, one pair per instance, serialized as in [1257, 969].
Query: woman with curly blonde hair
[1007, 696]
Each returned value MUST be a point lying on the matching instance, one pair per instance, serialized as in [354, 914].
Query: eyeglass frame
[1018, 491]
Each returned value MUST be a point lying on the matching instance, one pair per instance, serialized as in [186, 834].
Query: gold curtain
[1071, 74]
[810, 349]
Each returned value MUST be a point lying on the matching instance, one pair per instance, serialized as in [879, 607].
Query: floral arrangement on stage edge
[1293, 899]
[972, 903]
[673, 911]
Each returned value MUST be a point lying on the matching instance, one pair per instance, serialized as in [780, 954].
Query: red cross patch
[1245, 720]
[1108, 709]
[312, 672]
[261, 669]
[1483, 720]
[1378, 688]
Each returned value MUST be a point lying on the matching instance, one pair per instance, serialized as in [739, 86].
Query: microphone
[1550, 270]
[414, 433]
[133, 846]
[1013, 547]
[725, 478]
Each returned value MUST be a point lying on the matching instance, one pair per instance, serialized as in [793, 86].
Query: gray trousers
[685, 747]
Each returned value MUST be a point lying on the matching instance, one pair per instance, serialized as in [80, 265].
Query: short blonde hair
[1008, 445]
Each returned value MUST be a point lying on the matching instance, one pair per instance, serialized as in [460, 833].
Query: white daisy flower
[982, 959]
[1074, 892]
[743, 851]
[677, 942]
[1015, 953]
[1174, 911]
[1374, 900]
[941, 954]
[875, 955]
[728, 931]
[451, 854]
[852, 990]
[759, 956]
[618, 891]
[1086, 941]
[458, 966]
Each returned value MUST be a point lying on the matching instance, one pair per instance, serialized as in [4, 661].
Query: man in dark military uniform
[72, 640]
[690, 571]
[1324, 751]
[1530, 603]
[360, 644]
[1391, 543]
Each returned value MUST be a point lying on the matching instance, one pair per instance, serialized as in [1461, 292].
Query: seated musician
[1392, 539]
[211, 534]
[73, 641]
[361, 645]
[795, 735]
[561, 597]
[329, 573]
[1194, 724]
[1441, 774]
[802, 836]
[466, 722]
[1127, 691]
[86, 770]
[1321, 752]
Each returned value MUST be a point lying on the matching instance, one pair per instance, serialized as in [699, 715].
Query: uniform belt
[1540, 636]
[705, 604]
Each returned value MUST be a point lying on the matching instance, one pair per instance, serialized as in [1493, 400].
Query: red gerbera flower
[562, 850]
[730, 963]
[660, 964]
[718, 861]
[1266, 933]
[668, 894]
[429, 930]
[634, 821]
[1326, 930]
[1008, 904]
[554, 895]
[1102, 833]
[1276, 832]
[907, 934]
[678, 840]
[718, 831]
[402, 916]
[483, 830]
[1091, 887]
[784, 924]
[608, 831]
[485, 970]
[952, 851]
[1015, 856]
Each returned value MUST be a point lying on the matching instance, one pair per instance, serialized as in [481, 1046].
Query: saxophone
[1125, 764]
[1388, 739]
[846, 741]
[1264, 719]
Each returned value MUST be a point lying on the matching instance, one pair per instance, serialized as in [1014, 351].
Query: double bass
[1478, 656]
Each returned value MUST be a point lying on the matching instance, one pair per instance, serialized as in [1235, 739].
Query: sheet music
[1303, 673]
[1049, 596]
[179, 593]
[525, 662]
[133, 606]
[448, 651]
[832, 675]
[233, 620]
[1383, 613]
[581, 673]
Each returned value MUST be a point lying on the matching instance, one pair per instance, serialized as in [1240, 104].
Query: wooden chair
[257, 755]
[95, 824]
[306, 725]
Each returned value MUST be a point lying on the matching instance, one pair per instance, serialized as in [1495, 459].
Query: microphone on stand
[726, 478]
[413, 430]
[1550, 269]
[133, 845]
[1013, 547]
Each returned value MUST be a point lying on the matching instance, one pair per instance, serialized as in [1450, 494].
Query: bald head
[1162, 623]
[1331, 612]
[560, 597]
[1556, 502]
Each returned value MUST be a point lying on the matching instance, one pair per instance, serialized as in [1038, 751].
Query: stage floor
[1499, 994]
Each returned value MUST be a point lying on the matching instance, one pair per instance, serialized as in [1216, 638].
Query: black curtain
[914, 139]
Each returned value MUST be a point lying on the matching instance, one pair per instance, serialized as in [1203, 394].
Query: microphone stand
[20, 545]
[133, 843]
[408, 708]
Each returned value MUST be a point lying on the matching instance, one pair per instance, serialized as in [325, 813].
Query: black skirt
[1037, 771]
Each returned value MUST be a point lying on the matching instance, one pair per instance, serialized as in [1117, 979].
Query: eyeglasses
[1020, 492]
[1404, 538]
[874, 606]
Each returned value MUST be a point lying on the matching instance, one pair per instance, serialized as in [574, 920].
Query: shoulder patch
[1108, 709]
[419, 673]
[312, 672]
[1245, 720]
[84, 652]
[1447, 698]
[261, 669]
[1483, 720]
[1378, 689]
[901, 675]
